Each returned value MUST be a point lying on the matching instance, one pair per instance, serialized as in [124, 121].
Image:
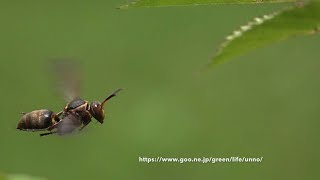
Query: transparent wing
[67, 78]
[68, 124]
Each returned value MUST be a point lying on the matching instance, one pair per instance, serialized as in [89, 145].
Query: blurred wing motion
[68, 124]
[67, 78]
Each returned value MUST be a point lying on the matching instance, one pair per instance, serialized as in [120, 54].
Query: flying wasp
[77, 114]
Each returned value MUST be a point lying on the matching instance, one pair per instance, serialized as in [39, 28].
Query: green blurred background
[265, 103]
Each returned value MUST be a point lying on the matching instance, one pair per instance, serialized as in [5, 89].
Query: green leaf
[2, 176]
[18, 177]
[158, 3]
[23, 177]
[302, 19]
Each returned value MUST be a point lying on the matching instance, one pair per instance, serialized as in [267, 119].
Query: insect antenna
[110, 96]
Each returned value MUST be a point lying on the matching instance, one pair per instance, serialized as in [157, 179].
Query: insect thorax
[81, 108]
[77, 105]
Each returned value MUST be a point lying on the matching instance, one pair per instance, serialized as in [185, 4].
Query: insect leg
[23, 113]
[59, 113]
[84, 125]
[48, 133]
[53, 126]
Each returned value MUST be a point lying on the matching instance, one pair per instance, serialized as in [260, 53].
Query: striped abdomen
[37, 120]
